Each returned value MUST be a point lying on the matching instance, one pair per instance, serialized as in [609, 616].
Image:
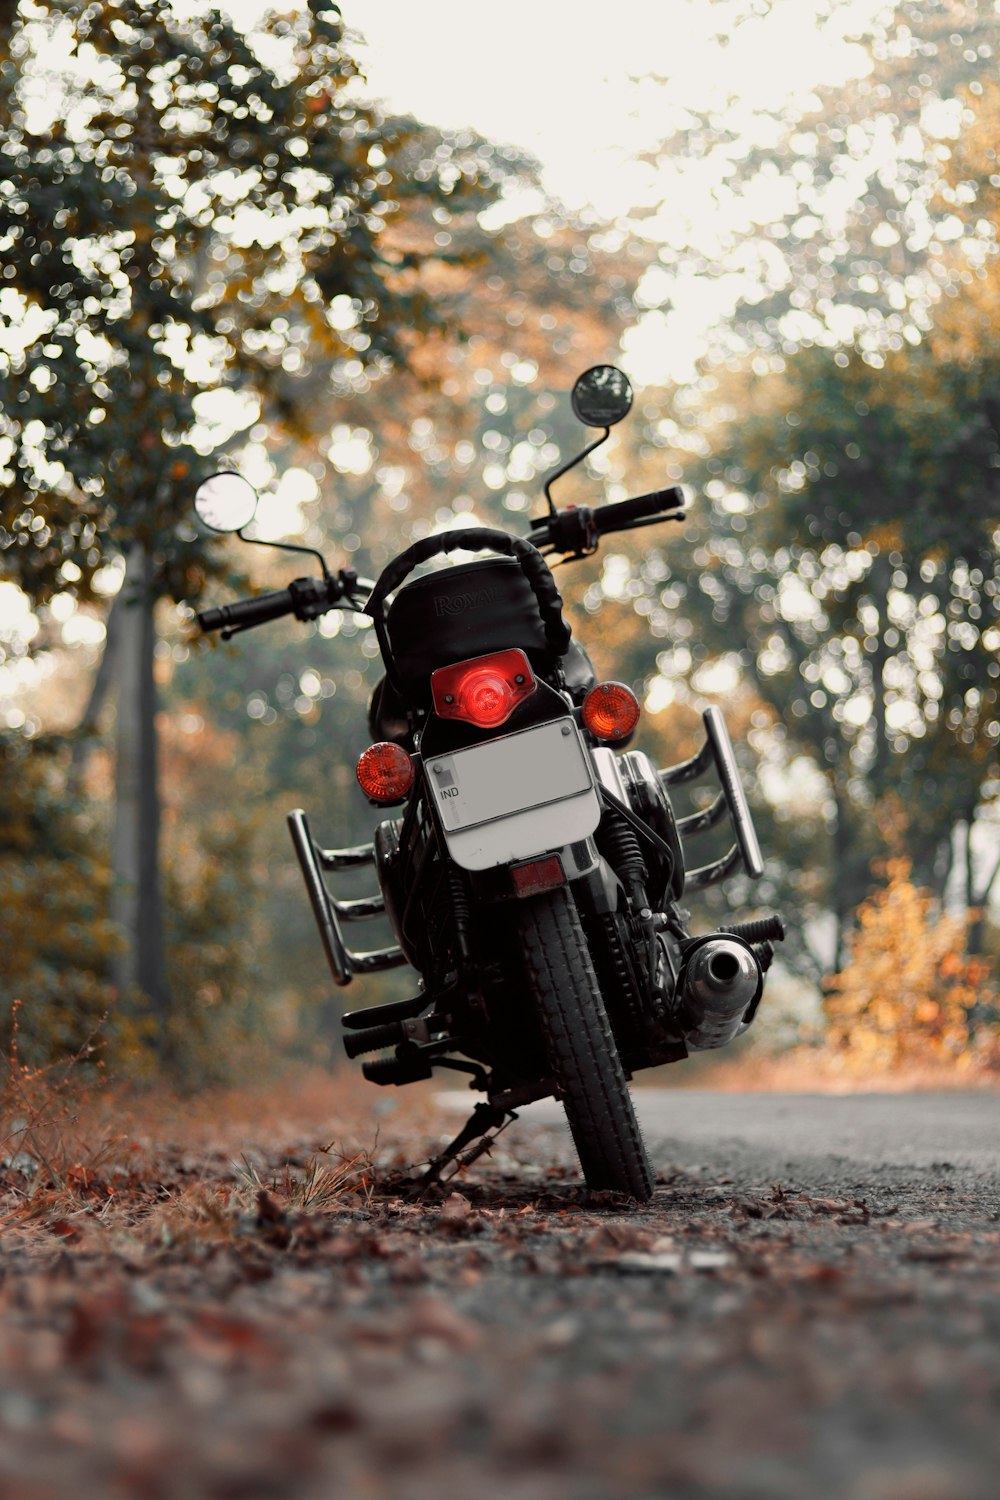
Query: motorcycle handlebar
[621, 515]
[246, 612]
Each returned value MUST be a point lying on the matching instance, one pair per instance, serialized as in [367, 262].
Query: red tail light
[610, 711]
[484, 691]
[385, 773]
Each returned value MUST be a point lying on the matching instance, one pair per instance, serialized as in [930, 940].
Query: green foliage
[212, 942]
[845, 433]
[59, 942]
[856, 246]
[202, 214]
[198, 228]
[190, 211]
[55, 934]
[854, 535]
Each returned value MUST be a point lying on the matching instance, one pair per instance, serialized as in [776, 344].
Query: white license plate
[514, 774]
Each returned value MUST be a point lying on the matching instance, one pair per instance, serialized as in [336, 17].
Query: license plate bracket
[514, 774]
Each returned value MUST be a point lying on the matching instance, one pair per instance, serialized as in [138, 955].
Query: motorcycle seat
[460, 612]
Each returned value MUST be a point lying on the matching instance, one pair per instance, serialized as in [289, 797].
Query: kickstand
[483, 1126]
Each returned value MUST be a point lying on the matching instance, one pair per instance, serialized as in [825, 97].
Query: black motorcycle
[532, 868]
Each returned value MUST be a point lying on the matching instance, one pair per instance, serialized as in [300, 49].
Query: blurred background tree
[910, 994]
[844, 427]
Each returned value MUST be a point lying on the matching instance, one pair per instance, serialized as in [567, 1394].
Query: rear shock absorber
[619, 844]
[461, 915]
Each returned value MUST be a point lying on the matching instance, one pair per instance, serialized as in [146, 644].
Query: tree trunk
[977, 927]
[970, 873]
[86, 731]
[880, 579]
[838, 875]
[944, 860]
[136, 900]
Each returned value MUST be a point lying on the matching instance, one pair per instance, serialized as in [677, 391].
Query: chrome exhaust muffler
[719, 982]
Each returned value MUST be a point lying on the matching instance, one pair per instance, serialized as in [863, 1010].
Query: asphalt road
[761, 1135]
[810, 1306]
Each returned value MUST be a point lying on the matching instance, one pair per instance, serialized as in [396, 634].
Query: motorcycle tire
[580, 1047]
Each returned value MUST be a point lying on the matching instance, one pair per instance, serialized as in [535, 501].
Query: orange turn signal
[610, 711]
[385, 772]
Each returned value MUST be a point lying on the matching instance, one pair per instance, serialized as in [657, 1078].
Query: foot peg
[765, 957]
[393, 1010]
[397, 1070]
[374, 1038]
[765, 930]
[392, 1034]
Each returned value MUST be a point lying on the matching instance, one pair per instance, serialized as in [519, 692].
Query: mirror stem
[572, 465]
[256, 541]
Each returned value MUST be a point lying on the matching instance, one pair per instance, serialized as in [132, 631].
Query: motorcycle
[531, 866]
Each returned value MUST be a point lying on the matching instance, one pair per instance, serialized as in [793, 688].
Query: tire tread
[581, 1048]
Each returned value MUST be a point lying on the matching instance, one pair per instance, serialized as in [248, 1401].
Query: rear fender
[387, 869]
[495, 886]
[599, 892]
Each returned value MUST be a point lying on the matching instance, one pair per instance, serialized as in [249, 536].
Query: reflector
[483, 691]
[610, 711]
[538, 875]
[385, 772]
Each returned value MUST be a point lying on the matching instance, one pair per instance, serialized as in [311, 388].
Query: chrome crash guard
[329, 912]
[717, 754]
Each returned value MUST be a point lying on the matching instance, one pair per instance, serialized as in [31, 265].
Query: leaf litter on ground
[238, 1296]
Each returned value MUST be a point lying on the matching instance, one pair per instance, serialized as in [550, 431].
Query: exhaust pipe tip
[721, 980]
[722, 968]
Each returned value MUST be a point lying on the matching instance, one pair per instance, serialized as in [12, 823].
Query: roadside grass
[80, 1157]
[818, 1070]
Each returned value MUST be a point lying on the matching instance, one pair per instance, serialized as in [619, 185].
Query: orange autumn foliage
[910, 996]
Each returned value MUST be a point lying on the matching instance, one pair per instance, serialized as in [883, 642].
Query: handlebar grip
[611, 517]
[247, 611]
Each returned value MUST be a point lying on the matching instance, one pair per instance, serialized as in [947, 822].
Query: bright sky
[587, 88]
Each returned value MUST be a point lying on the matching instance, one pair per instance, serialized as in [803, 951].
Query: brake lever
[309, 604]
[577, 556]
[677, 515]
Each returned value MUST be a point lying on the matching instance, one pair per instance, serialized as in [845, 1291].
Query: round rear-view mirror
[226, 502]
[602, 396]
